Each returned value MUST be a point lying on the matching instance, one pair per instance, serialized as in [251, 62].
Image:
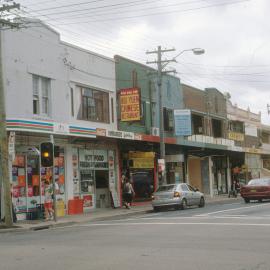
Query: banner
[130, 104]
[182, 120]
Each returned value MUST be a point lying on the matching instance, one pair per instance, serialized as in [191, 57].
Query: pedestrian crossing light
[46, 152]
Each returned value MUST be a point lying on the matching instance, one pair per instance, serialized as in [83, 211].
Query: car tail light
[176, 194]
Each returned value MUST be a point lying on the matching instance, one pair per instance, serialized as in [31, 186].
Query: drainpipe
[210, 166]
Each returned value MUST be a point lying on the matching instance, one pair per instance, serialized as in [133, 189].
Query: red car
[256, 189]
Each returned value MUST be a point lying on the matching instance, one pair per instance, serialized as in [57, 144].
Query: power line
[159, 13]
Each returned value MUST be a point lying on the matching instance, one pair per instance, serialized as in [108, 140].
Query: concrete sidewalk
[100, 215]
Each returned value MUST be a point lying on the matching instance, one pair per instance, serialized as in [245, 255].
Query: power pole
[161, 64]
[4, 155]
[268, 109]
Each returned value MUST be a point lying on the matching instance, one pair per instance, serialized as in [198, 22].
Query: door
[187, 194]
[196, 196]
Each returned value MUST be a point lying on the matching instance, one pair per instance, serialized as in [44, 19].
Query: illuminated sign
[130, 104]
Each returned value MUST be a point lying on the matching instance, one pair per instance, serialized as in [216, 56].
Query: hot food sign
[130, 104]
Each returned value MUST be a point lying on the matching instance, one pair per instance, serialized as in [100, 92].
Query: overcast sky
[234, 33]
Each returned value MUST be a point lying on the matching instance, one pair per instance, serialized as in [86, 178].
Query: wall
[146, 81]
[39, 51]
[194, 172]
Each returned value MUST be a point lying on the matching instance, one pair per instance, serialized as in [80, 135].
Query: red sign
[130, 104]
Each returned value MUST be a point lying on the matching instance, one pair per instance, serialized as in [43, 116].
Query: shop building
[55, 90]
[138, 82]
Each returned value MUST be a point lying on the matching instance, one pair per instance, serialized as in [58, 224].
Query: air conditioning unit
[155, 131]
[200, 129]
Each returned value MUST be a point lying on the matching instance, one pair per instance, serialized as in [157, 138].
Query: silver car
[178, 196]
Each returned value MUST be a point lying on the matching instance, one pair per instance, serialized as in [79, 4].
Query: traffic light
[46, 152]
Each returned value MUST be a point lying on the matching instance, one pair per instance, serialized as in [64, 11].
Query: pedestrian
[128, 193]
[48, 205]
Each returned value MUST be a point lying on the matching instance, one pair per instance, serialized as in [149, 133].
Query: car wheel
[156, 209]
[202, 202]
[184, 204]
[246, 200]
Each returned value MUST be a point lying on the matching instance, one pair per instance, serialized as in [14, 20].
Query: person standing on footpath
[48, 202]
[128, 193]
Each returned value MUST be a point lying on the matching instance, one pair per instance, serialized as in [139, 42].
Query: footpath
[101, 215]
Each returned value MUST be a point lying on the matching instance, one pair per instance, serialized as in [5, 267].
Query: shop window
[168, 119]
[217, 128]
[197, 124]
[95, 105]
[41, 95]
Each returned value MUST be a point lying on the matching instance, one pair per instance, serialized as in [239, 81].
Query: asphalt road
[217, 237]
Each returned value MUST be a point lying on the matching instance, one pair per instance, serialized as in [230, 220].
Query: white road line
[233, 209]
[174, 223]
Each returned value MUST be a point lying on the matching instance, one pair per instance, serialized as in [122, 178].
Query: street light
[196, 51]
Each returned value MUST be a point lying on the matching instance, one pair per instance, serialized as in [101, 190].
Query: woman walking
[128, 193]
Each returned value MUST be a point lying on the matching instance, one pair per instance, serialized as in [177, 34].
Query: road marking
[175, 223]
[233, 209]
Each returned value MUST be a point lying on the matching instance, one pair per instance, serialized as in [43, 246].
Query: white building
[55, 88]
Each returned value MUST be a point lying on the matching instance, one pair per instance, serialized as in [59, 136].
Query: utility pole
[4, 155]
[161, 65]
[268, 109]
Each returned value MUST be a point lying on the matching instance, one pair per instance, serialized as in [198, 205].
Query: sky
[235, 35]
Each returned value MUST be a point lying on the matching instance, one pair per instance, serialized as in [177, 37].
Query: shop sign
[114, 134]
[138, 154]
[120, 134]
[11, 145]
[182, 122]
[175, 158]
[93, 159]
[61, 128]
[137, 137]
[130, 104]
[161, 165]
[101, 132]
[143, 163]
[236, 136]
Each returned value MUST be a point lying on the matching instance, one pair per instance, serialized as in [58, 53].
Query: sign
[93, 160]
[174, 158]
[251, 130]
[61, 128]
[161, 165]
[236, 136]
[130, 104]
[182, 122]
[11, 145]
[101, 132]
[146, 163]
[120, 134]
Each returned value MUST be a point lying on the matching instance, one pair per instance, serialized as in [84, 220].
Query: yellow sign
[143, 163]
[130, 104]
[236, 136]
[141, 154]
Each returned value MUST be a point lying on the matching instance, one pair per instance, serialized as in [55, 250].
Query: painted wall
[147, 82]
[38, 50]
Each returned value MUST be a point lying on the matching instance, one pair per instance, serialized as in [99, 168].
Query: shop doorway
[143, 184]
[102, 189]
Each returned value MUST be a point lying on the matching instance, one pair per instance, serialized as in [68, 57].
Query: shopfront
[28, 179]
[142, 170]
[94, 178]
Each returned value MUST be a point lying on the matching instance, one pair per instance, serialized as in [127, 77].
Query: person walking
[48, 202]
[128, 193]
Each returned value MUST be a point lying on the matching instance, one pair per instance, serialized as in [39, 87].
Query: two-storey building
[60, 92]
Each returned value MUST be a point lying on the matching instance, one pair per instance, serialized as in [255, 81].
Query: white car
[178, 196]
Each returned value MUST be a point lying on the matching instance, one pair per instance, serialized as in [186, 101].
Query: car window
[191, 188]
[259, 182]
[167, 188]
[184, 187]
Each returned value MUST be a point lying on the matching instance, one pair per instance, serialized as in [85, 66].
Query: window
[184, 187]
[168, 119]
[143, 112]
[95, 105]
[41, 95]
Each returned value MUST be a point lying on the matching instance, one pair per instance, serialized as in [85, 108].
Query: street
[230, 236]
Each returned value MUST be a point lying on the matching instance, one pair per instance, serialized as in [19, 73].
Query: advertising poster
[130, 104]
[182, 120]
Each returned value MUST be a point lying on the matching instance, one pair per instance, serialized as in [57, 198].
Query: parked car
[256, 189]
[178, 196]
